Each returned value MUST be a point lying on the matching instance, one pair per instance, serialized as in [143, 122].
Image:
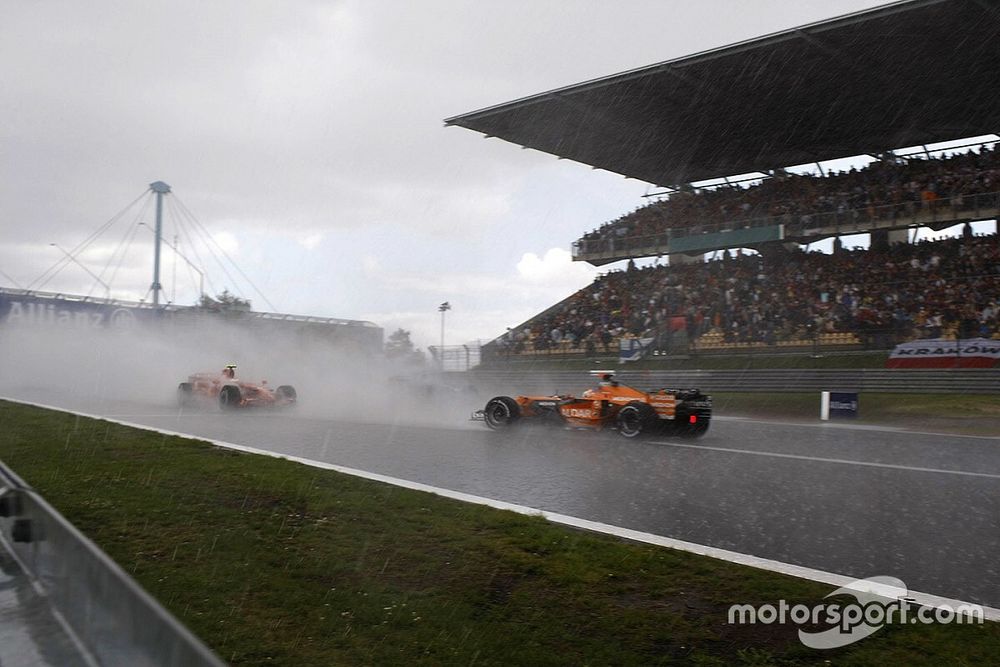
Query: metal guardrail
[109, 617]
[908, 381]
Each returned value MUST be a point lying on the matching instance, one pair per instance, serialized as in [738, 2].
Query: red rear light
[693, 419]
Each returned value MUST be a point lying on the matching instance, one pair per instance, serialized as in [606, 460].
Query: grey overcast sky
[307, 137]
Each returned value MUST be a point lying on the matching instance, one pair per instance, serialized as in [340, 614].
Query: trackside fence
[456, 357]
[910, 381]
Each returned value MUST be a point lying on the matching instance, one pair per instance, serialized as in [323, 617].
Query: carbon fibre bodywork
[684, 412]
[232, 393]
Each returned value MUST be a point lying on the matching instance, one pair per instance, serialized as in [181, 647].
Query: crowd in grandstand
[884, 189]
[929, 289]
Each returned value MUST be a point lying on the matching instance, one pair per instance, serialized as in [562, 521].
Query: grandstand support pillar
[160, 188]
[679, 258]
[882, 238]
[777, 249]
[899, 236]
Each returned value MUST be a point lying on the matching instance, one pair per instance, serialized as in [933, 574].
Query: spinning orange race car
[683, 412]
[232, 393]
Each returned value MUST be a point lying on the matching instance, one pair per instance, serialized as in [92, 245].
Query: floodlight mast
[160, 188]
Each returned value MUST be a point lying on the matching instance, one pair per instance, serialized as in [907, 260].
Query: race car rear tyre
[501, 413]
[635, 419]
[287, 392]
[185, 394]
[229, 397]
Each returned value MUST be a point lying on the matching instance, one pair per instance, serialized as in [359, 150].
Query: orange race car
[232, 393]
[683, 412]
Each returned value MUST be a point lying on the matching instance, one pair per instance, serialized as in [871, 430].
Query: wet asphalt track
[855, 501]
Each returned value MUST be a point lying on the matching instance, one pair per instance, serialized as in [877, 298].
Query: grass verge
[273, 562]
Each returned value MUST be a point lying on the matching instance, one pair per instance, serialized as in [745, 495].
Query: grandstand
[869, 299]
[888, 195]
[726, 133]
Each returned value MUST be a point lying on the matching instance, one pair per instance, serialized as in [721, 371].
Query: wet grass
[273, 562]
[973, 414]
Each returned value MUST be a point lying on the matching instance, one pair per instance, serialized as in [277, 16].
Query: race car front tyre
[635, 419]
[287, 392]
[229, 397]
[185, 394]
[501, 412]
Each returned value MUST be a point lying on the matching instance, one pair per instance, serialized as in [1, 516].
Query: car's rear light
[693, 419]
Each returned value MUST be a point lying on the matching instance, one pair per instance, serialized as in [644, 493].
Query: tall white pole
[444, 307]
[178, 253]
[160, 188]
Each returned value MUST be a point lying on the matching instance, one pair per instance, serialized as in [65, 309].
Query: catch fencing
[452, 358]
[909, 381]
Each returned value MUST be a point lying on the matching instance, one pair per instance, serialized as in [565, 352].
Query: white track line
[820, 459]
[896, 430]
[831, 578]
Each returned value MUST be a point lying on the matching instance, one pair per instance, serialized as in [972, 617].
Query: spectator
[882, 190]
[928, 289]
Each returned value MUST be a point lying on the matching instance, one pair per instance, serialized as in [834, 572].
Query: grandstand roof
[904, 74]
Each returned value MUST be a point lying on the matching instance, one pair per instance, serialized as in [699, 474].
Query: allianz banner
[946, 353]
[26, 310]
